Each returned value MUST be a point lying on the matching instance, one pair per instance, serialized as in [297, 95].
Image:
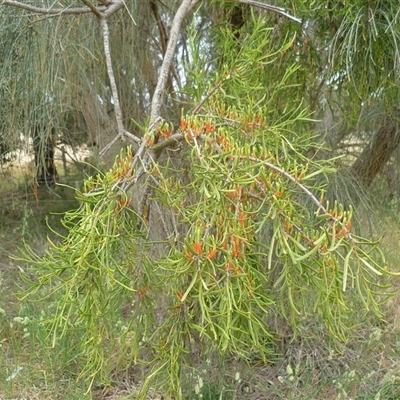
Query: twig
[269, 7]
[108, 146]
[113, 8]
[60, 11]
[292, 179]
[92, 7]
[107, 52]
[175, 138]
[122, 133]
[131, 136]
[207, 96]
[104, 10]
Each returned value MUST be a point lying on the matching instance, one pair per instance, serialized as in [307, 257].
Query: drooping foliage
[53, 73]
[213, 229]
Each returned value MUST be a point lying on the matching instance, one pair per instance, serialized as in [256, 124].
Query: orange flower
[212, 254]
[343, 232]
[209, 128]
[165, 133]
[229, 266]
[191, 134]
[197, 248]
[149, 140]
[183, 124]
[242, 218]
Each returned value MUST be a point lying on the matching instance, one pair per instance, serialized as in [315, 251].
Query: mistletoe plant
[248, 234]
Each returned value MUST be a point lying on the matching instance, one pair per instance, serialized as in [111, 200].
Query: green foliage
[351, 49]
[374, 28]
[93, 269]
[254, 238]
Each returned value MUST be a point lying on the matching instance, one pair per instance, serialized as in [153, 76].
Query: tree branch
[112, 7]
[122, 133]
[157, 100]
[269, 7]
[293, 180]
[107, 52]
[109, 8]
[52, 11]
[175, 138]
[92, 7]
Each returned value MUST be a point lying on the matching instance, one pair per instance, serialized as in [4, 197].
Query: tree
[54, 70]
[352, 49]
[213, 224]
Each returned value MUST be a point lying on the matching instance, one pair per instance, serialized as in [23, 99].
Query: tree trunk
[44, 142]
[375, 156]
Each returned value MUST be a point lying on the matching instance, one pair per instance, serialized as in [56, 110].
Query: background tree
[352, 50]
[338, 76]
[59, 75]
